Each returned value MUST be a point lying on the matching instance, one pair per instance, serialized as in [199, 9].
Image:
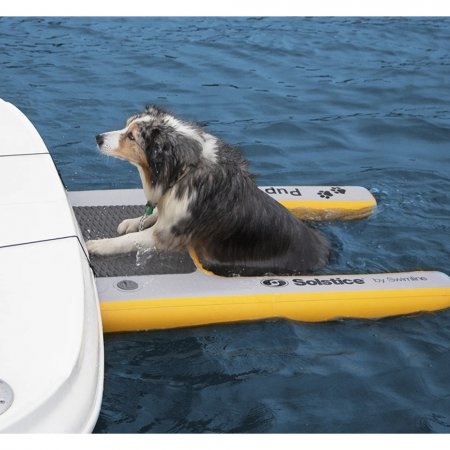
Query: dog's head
[161, 146]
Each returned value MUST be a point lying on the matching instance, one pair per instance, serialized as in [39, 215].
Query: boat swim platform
[162, 290]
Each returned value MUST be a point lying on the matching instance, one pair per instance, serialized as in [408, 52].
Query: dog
[205, 200]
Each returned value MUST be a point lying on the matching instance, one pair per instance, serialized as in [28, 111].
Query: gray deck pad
[99, 222]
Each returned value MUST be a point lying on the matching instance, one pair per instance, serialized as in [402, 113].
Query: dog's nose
[99, 138]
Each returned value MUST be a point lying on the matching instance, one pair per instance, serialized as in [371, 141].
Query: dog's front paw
[99, 247]
[128, 226]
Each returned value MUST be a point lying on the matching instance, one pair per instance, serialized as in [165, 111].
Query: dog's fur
[206, 200]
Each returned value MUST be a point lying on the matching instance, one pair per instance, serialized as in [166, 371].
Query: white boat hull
[51, 339]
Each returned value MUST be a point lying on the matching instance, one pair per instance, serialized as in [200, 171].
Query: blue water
[357, 101]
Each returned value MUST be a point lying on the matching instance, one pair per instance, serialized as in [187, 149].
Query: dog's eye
[130, 136]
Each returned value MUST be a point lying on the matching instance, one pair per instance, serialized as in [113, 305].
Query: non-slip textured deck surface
[98, 222]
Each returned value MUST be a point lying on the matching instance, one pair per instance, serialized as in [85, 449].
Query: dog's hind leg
[123, 244]
[132, 225]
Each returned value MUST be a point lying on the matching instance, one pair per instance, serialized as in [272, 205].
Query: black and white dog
[205, 200]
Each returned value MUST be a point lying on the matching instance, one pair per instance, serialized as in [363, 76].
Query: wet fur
[207, 200]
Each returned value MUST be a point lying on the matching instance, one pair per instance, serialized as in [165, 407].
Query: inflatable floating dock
[51, 340]
[156, 291]
[52, 308]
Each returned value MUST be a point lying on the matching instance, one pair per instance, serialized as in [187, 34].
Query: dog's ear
[150, 137]
[153, 147]
[169, 154]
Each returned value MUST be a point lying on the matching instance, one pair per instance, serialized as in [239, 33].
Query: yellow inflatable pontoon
[160, 291]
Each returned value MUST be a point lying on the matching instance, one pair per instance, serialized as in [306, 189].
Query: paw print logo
[337, 190]
[325, 194]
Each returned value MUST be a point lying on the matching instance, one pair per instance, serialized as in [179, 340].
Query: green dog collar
[149, 209]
